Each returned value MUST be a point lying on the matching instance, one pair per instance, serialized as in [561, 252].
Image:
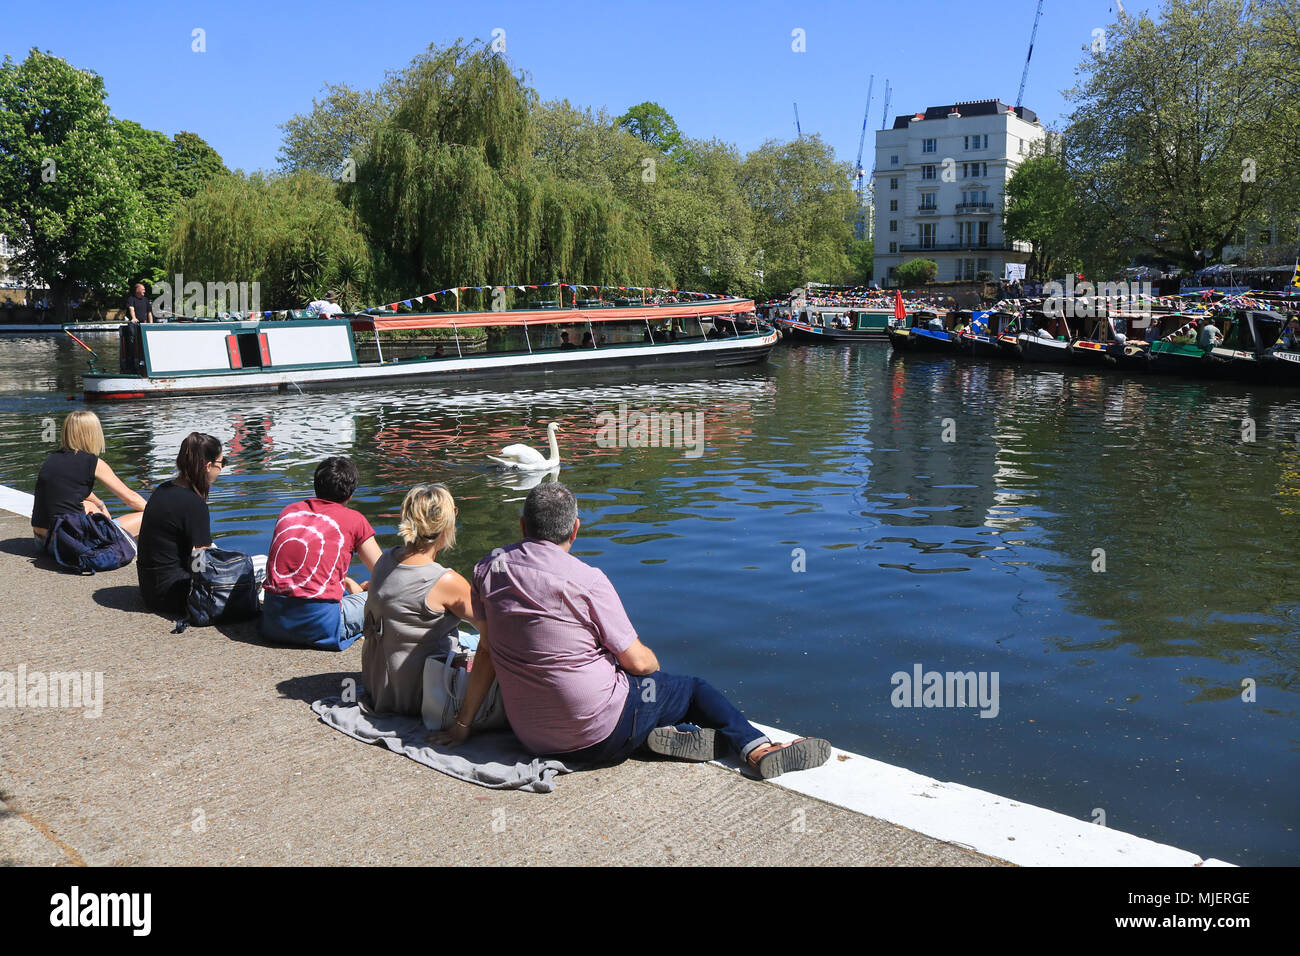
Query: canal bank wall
[205, 751]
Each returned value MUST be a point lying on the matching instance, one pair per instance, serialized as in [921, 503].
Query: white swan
[523, 458]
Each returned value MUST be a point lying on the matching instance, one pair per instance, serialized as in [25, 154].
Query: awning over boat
[465, 320]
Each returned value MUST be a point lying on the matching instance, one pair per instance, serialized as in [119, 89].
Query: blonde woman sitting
[66, 482]
[414, 604]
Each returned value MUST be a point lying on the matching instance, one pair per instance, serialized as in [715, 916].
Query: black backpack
[223, 587]
[88, 543]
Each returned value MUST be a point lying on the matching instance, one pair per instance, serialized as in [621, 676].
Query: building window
[893, 225]
[893, 247]
[1022, 147]
[893, 182]
[927, 172]
[983, 234]
[977, 141]
[974, 170]
[929, 145]
[893, 205]
[893, 160]
[982, 266]
[927, 235]
[928, 201]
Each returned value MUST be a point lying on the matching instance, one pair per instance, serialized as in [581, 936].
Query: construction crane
[1032, 36]
[797, 128]
[860, 226]
[884, 113]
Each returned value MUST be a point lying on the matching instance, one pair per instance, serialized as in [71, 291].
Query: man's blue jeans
[667, 700]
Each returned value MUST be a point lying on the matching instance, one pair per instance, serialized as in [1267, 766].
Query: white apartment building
[939, 188]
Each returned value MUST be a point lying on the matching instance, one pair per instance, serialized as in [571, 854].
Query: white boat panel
[187, 349]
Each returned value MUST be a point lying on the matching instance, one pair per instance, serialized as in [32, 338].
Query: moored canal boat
[928, 332]
[181, 357]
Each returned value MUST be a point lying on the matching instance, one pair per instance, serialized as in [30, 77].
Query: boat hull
[720, 353]
[805, 333]
[1035, 348]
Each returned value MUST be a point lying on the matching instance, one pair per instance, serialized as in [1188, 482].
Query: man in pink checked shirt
[576, 681]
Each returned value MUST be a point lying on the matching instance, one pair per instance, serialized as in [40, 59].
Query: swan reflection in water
[521, 480]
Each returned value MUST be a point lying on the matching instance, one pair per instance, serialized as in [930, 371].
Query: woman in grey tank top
[414, 604]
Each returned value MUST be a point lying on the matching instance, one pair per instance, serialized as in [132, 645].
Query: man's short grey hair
[550, 511]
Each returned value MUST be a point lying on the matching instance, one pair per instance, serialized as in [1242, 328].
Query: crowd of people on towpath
[575, 679]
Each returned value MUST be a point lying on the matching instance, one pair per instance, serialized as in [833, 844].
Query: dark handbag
[88, 543]
[223, 587]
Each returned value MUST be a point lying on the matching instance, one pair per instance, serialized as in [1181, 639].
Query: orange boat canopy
[467, 320]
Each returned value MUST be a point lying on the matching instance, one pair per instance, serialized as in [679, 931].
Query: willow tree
[450, 195]
[290, 234]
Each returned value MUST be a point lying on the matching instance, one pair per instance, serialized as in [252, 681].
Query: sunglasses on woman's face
[220, 462]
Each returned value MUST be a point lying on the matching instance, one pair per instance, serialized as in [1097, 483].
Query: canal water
[1113, 550]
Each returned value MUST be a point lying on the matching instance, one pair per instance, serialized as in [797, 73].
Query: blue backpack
[88, 543]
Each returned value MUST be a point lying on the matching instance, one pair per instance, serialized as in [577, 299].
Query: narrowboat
[928, 333]
[1047, 338]
[981, 338]
[837, 324]
[191, 357]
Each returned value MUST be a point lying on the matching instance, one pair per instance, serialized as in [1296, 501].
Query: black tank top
[66, 479]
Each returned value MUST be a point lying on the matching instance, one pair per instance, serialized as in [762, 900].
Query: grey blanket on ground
[495, 759]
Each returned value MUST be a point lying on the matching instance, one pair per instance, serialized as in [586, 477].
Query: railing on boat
[716, 310]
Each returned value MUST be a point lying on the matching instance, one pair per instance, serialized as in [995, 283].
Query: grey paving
[207, 753]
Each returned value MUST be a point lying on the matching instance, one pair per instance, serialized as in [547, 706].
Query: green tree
[802, 206]
[916, 272]
[1042, 209]
[862, 256]
[67, 193]
[1174, 135]
[166, 171]
[290, 234]
[450, 193]
[338, 127]
[653, 125]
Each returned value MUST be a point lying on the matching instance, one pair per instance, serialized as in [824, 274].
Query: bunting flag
[1295, 279]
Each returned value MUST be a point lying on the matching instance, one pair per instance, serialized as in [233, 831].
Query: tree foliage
[450, 195]
[1042, 209]
[1180, 131]
[68, 195]
[802, 207]
[291, 234]
[916, 272]
[338, 127]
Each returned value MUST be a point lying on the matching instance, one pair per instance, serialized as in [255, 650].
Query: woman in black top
[177, 524]
[66, 482]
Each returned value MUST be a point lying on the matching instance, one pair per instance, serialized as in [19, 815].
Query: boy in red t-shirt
[310, 600]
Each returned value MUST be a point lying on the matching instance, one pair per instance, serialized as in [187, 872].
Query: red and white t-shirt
[311, 549]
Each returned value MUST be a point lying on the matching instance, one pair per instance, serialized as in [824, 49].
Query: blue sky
[724, 69]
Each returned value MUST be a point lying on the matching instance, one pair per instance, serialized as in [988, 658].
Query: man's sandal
[802, 754]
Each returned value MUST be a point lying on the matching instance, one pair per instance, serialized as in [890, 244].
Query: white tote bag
[445, 682]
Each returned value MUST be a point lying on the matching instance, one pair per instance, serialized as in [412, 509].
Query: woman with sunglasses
[176, 524]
